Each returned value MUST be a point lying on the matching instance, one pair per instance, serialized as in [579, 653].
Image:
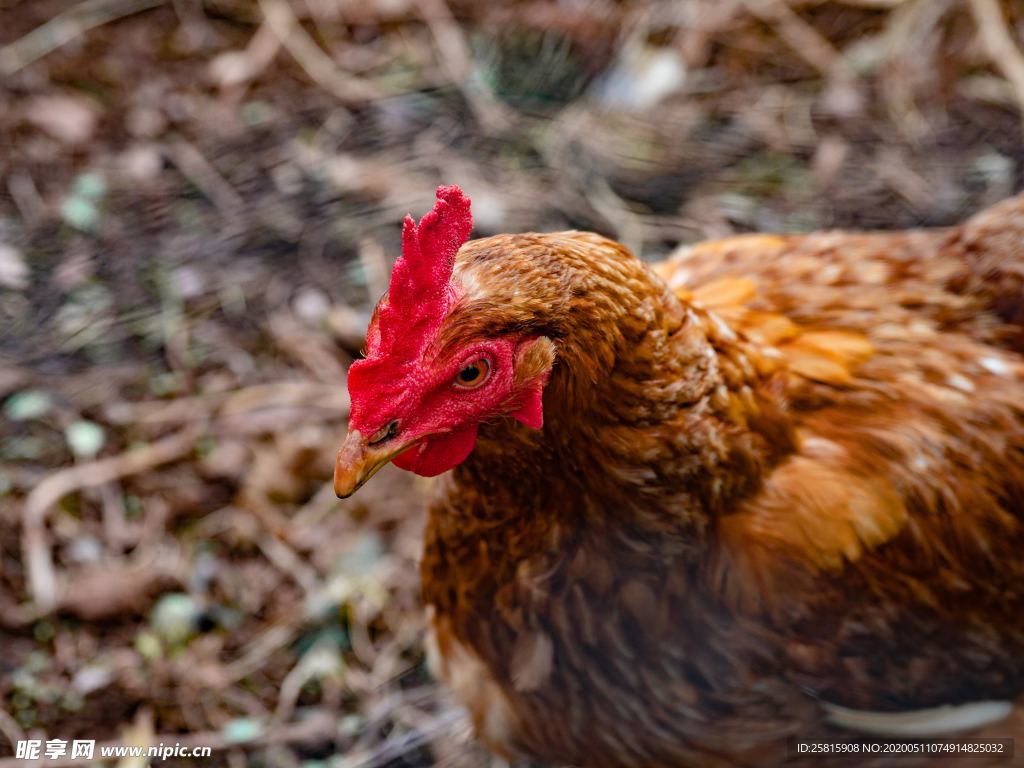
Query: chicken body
[775, 474]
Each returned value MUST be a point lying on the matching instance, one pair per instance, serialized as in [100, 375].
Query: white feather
[921, 723]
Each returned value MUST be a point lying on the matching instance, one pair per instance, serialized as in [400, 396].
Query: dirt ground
[199, 204]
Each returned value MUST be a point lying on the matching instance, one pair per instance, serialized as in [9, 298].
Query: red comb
[429, 248]
[419, 296]
[418, 299]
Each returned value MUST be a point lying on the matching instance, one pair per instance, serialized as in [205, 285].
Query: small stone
[84, 550]
[311, 304]
[85, 438]
[13, 269]
[67, 118]
[142, 162]
[242, 729]
[91, 678]
[27, 405]
[80, 213]
[189, 282]
[174, 618]
[91, 186]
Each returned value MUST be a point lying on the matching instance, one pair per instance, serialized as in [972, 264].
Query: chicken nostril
[384, 433]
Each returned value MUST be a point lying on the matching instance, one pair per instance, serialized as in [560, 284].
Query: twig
[999, 45]
[236, 68]
[402, 744]
[115, 528]
[234, 404]
[178, 410]
[907, 43]
[310, 348]
[259, 650]
[310, 514]
[451, 43]
[804, 39]
[991, 88]
[284, 558]
[64, 28]
[43, 583]
[322, 662]
[200, 171]
[25, 195]
[116, 587]
[10, 728]
[454, 51]
[317, 64]
[893, 169]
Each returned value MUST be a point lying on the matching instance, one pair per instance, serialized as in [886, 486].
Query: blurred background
[199, 204]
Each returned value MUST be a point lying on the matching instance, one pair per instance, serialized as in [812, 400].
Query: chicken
[769, 488]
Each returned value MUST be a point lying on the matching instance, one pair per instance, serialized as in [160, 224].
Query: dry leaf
[69, 119]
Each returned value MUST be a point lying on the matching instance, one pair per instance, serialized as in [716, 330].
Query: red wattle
[531, 411]
[438, 454]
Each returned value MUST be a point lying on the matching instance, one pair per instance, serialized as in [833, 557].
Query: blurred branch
[452, 47]
[200, 171]
[451, 42]
[999, 45]
[396, 746]
[42, 578]
[64, 28]
[111, 589]
[267, 643]
[286, 559]
[10, 728]
[317, 64]
[239, 410]
[234, 68]
[312, 349]
[908, 50]
[803, 38]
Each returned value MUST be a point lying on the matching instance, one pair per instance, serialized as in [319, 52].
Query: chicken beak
[358, 461]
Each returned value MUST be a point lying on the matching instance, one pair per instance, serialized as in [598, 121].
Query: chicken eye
[474, 374]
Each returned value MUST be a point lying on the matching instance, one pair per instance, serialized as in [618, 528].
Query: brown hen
[778, 488]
